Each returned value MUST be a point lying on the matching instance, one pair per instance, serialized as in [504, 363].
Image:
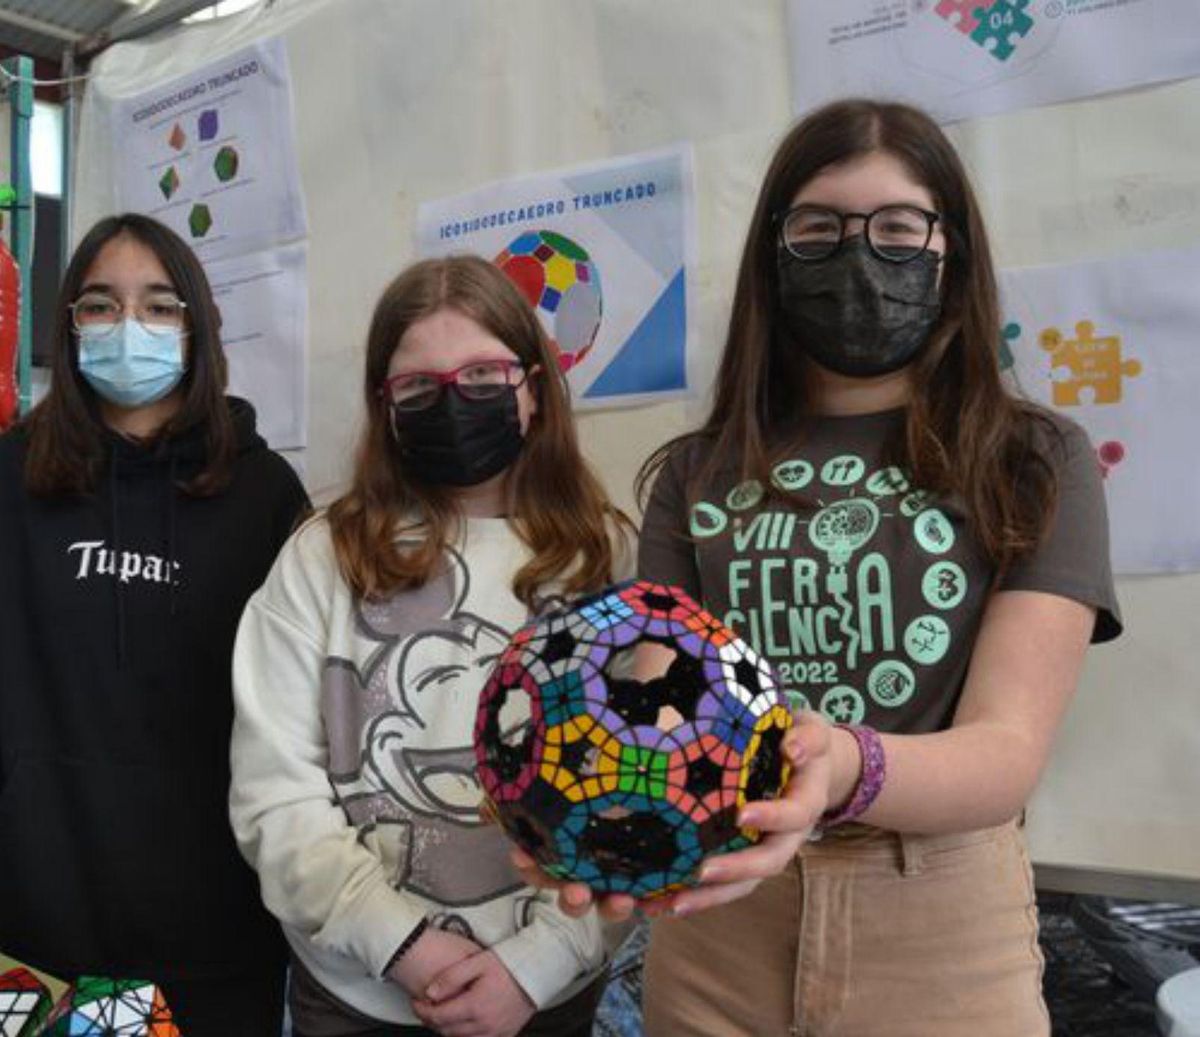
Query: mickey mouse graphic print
[863, 590]
[354, 791]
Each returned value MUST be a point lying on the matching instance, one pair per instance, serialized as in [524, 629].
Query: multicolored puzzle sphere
[24, 1003]
[562, 284]
[622, 784]
[99, 1007]
[93, 1006]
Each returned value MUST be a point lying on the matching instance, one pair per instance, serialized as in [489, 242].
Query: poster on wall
[262, 330]
[212, 155]
[959, 59]
[1111, 344]
[605, 253]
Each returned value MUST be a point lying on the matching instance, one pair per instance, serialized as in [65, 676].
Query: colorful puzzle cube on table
[624, 784]
[98, 1007]
[24, 1003]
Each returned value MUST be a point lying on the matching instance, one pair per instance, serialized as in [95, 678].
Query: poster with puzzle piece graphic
[1111, 344]
[961, 59]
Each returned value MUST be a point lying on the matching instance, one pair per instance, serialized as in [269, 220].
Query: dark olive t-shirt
[865, 592]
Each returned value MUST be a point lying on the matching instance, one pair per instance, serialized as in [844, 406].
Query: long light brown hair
[966, 435]
[66, 433]
[558, 507]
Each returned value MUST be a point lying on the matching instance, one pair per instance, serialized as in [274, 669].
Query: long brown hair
[966, 435]
[559, 508]
[66, 445]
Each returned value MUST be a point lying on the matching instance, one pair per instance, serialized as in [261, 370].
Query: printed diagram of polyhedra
[168, 183]
[625, 784]
[225, 165]
[208, 123]
[200, 220]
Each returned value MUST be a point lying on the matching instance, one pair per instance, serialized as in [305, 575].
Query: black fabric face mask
[459, 442]
[857, 314]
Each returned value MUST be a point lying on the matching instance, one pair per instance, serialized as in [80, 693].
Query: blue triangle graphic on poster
[654, 358]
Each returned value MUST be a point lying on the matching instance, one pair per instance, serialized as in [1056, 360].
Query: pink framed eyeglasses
[477, 380]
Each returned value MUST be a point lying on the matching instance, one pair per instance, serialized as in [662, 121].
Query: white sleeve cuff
[545, 960]
[372, 927]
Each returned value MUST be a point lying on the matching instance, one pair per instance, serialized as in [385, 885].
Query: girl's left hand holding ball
[786, 823]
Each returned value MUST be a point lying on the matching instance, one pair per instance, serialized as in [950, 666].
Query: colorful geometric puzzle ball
[93, 1006]
[622, 784]
[562, 283]
[24, 1003]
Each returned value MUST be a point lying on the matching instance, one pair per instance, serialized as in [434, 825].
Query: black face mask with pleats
[857, 314]
[459, 442]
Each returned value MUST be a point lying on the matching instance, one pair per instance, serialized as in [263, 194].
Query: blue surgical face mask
[130, 366]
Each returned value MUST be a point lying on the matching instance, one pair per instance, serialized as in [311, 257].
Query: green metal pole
[20, 99]
[68, 159]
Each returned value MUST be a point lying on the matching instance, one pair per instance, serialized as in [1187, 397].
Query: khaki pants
[867, 934]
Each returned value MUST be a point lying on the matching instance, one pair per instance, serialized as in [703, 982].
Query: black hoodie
[117, 620]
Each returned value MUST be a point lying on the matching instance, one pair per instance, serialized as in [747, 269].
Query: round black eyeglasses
[894, 233]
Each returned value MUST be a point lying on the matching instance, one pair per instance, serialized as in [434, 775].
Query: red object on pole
[10, 330]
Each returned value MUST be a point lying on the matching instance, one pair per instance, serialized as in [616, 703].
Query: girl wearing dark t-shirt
[924, 559]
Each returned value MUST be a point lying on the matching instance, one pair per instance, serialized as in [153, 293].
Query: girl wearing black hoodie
[139, 510]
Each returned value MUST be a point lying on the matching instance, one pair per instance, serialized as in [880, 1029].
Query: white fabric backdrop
[399, 103]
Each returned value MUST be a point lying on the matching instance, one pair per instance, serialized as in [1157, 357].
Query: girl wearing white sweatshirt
[359, 664]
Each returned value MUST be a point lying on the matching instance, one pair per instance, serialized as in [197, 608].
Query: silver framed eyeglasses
[160, 313]
[478, 380]
[894, 233]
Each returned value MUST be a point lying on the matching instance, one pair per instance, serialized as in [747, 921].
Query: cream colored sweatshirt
[353, 793]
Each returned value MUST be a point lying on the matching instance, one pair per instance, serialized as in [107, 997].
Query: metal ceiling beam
[139, 22]
[42, 28]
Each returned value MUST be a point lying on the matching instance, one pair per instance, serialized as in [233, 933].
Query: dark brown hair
[66, 446]
[966, 434]
[558, 506]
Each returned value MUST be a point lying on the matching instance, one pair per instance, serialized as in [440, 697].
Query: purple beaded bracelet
[870, 780]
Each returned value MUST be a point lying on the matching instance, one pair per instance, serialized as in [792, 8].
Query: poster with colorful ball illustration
[604, 253]
[960, 59]
[1112, 345]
